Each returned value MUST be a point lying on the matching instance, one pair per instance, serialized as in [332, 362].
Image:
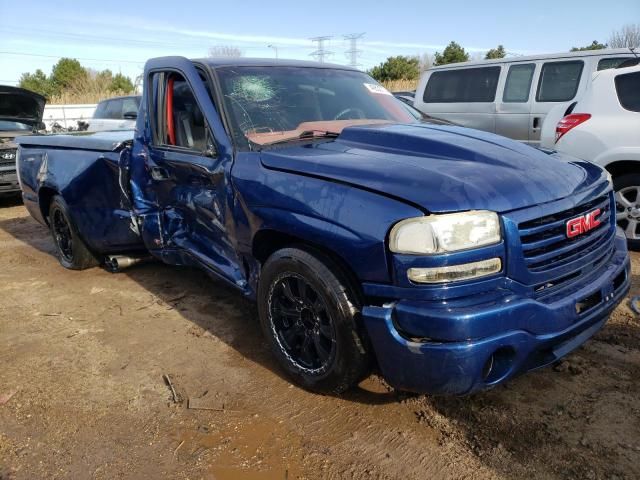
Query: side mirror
[130, 115]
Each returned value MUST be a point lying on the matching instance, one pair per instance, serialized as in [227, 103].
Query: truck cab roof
[217, 62]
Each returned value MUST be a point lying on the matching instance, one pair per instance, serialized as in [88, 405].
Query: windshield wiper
[306, 135]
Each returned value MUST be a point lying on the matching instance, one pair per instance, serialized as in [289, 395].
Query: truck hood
[20, 105]
[439, 168]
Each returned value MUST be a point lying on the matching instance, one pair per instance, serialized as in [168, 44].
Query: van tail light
[569, 122]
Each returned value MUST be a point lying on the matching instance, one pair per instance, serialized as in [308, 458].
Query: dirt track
[82, 358]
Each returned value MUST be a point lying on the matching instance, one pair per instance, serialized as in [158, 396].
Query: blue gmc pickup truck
[451, 259]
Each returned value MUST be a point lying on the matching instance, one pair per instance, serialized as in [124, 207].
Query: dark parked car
[20, 114]
[406, 97]
[453, 259]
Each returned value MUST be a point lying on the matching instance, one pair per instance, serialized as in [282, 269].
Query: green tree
[595, 45]
[397, 68]
[36, 82]
[453, 53]
[495, 53]
[66, 72]
[120, 83]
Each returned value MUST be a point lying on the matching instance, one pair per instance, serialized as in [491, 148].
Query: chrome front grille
[7, 158]
[545, 243]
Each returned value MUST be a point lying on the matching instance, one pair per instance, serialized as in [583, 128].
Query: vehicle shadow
[10, 200]
[200, 299]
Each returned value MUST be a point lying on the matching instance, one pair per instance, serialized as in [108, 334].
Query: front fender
[348, 221]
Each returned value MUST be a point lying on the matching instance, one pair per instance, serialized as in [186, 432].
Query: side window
[611, 62]
[114, 110]
[101, 110]
[462, 85]
[129, 105]
[559, 81]
[178, 119]
[518, 83]
[628, 90]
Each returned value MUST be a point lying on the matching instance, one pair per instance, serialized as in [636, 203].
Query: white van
[510, 96]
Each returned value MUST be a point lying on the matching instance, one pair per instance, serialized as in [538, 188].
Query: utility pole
[353, 53]
[320, 52]
[275, 48]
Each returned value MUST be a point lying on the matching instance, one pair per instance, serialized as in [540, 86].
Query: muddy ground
[82, 394]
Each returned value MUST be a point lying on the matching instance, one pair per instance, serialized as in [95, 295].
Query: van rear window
[628, 90]
[462, 85]
[611, 62]
[559, 81]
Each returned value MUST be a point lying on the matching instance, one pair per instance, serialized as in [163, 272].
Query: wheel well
[266, 242]
[623, 166]
[45, 196]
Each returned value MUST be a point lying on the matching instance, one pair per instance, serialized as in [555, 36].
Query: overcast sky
[121, 35]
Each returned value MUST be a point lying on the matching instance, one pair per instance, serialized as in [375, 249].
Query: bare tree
[627, 37]
[426, 61]
[225, 51]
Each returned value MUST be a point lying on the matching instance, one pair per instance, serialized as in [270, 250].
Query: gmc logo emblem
[582, 224]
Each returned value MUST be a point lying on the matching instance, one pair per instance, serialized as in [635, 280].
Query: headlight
[445, 233]
[18, 169]
[610, 178]
[452, 273]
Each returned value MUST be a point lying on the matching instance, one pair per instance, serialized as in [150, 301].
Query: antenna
[320, 53]
[353, 53]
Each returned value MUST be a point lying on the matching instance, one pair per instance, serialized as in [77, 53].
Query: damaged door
[186, 191]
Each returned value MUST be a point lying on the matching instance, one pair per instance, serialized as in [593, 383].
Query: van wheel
[308, 315]
[72, 252]
[627, 188]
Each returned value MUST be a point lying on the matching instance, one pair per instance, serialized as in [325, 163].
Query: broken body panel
[221, 211]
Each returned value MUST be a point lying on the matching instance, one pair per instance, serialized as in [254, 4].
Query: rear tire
[71, 250]
[308, 313]
[627, 188]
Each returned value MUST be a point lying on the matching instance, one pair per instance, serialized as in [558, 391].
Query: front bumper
[447, 365]
[8, 181]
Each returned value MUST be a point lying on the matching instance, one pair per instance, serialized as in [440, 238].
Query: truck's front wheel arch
[266, 242]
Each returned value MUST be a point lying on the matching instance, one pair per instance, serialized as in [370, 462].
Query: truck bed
[84, 169]
[93, 141]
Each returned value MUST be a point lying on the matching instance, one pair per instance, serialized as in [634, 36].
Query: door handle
[159, 173]
[536, 122]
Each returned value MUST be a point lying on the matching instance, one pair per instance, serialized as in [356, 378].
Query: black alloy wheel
[301, 323]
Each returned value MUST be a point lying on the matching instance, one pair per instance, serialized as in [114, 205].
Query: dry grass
[73, 98]
[400, 85]
[91, 88]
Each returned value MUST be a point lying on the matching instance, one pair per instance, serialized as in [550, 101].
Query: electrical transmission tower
[353, 53]
[320, 52]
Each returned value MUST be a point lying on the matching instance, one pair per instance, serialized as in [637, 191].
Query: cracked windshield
[272, 105]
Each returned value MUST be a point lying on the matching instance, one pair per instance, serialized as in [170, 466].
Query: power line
[353, 53]
[175, 43]
[77, 58]
[321, 52]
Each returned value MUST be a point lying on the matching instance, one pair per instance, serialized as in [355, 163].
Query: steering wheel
[357, 111]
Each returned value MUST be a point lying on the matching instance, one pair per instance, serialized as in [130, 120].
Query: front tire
[71, 250]
[308, 313]
[627, 188]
